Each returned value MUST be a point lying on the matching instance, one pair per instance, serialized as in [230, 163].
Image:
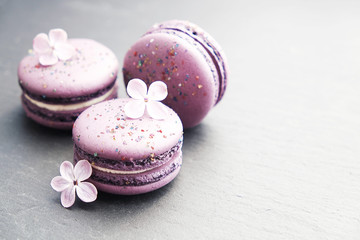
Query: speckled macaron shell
[141, 149]
[88, 77]
[92, 68]
[207, 41]
[193, 76]
[104, 130]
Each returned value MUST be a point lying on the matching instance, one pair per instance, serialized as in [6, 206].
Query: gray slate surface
[278, 158]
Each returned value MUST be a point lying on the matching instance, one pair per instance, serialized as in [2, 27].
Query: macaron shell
[207, 42]
[93, 67]
[183, 64]
[105, 131]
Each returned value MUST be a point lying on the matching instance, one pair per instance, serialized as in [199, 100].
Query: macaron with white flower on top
[61, 77]
[133, 144]
[185, 57]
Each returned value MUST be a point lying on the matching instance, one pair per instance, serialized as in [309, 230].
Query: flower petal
[57, 35]
[156, 110]
[82, 170]
[135, 108]
[67, 171]
[68, 196]
[157, 91]
[137, 88]
[60, 183]
[87, 192]
[48, 59]
[41, 43]
[64, 51]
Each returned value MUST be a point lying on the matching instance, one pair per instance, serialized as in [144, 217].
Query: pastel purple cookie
[188, 60]
[128, 156]
[56, 93]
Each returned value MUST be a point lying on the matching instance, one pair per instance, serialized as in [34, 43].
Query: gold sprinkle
[200, 86]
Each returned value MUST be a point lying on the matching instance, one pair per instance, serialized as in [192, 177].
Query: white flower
[144, 99]
[71, 181]
[53, 47]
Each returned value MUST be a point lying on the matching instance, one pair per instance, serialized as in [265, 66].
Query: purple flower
[144, 99]
[53, 47]
[71, 181]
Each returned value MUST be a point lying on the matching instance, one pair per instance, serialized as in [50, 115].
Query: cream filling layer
[69, 107]
[118, 171]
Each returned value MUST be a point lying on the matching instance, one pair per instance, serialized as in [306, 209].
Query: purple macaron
[62, 77]
[188, 60]
[129, 155]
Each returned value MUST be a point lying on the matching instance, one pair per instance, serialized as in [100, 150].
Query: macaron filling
[44, 114]
[61, 113]
[70, 107]
[70, 100]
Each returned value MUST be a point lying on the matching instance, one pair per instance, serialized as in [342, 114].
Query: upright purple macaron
[188, 60]
[129, 156]
[62, 77]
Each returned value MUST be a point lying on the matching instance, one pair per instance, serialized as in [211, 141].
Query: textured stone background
[278, 158]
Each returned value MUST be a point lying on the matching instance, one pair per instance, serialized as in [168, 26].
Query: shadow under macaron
[194, 137]
[29, 126]
[124, 206]
[38, 139]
